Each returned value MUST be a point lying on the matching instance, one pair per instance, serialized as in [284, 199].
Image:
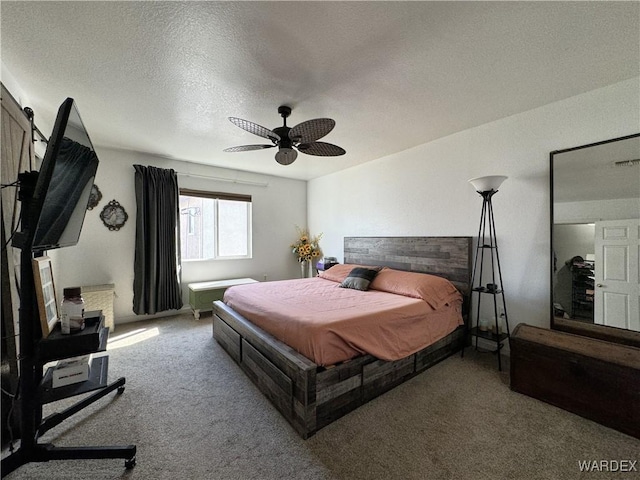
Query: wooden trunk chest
[595, 379]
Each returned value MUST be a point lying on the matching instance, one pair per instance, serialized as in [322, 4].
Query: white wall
[104, 256]
[573, 239]
[596, 210]
[12, 85]
[424, 190]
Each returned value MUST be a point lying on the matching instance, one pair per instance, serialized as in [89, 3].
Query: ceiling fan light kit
[301, 138]
[286, 156]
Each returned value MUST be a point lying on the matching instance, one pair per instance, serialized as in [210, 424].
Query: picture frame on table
[45, 294]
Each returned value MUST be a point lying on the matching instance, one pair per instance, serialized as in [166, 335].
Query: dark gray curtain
[156, 283]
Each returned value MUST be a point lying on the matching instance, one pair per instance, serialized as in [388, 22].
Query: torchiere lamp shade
[488, 183]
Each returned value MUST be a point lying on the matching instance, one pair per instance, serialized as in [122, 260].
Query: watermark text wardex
[608, 465]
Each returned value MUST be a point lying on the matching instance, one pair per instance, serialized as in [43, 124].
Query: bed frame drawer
[227, 337]
[380, 376]
[438, 351]
[275, 385]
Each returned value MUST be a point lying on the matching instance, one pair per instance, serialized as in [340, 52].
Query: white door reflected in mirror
[617, 274]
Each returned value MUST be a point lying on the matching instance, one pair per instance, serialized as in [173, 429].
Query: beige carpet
[194, 415]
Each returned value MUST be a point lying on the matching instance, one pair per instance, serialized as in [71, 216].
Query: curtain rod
[223, 179]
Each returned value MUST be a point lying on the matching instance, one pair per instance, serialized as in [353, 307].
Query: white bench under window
[203, 294]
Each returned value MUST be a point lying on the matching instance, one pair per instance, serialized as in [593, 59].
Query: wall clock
[113, 215]
[94, 197]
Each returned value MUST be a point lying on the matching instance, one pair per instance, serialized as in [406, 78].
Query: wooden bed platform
[311, 397]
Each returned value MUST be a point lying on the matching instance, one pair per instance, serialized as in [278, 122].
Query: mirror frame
[602, 332]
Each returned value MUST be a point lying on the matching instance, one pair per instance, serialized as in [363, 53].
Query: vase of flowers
[306, 249]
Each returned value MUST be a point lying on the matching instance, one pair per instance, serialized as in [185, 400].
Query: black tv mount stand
[31, 362]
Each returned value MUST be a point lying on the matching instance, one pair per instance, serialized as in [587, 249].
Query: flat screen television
[64, 182]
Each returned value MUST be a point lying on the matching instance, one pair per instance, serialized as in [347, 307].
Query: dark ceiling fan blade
[246, 148]
[321, 149]
[311, 130]
[255, 128]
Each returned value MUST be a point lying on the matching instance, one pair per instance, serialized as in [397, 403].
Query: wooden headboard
[448, 257]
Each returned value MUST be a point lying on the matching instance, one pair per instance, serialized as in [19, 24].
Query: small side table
[323, 265]
[203, 294]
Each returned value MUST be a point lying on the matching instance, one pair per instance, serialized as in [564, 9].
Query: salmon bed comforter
[329, 324]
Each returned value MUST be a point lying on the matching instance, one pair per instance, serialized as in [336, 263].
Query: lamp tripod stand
[487, 187]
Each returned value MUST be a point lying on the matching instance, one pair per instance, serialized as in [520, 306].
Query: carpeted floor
[193, 414]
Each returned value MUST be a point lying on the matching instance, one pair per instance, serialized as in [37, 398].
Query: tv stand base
[43, 452]
[46, 451]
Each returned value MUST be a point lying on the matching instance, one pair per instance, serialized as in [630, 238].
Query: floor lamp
[487, 187]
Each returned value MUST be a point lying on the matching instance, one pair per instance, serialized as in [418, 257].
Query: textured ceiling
[162, 77]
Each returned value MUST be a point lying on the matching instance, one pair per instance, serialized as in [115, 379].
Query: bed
[311, 394]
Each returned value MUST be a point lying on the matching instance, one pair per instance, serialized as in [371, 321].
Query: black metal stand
[31, 424]
[487, 231]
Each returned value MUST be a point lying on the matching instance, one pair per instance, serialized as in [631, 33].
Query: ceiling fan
[303, 137]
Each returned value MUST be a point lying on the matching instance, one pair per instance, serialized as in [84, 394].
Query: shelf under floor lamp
[487, 187]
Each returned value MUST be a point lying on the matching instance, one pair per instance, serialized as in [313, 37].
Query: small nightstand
[323, 265]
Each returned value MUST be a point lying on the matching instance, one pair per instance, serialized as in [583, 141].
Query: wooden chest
[595, 379]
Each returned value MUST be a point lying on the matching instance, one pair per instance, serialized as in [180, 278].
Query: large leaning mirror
[595, 227]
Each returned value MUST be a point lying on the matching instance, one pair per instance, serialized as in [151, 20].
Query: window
[214, 225]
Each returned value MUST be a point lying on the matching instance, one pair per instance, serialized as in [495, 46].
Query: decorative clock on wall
[94, 197]
[113, 215]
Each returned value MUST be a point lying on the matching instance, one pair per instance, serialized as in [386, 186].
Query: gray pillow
[359, 278]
